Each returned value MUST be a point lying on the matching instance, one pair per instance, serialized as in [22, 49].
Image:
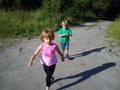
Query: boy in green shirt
[64, 34]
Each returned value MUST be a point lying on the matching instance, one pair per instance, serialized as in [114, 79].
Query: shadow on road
[86, 53]
[85, 75]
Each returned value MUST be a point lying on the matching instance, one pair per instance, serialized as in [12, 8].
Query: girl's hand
[62, 58]
[29, 64]
[59, 52]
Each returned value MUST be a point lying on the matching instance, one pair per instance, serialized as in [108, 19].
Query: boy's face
[64, 26]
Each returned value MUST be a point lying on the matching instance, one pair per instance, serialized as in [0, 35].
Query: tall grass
[113, 32]
[19, 24]
[26, 24]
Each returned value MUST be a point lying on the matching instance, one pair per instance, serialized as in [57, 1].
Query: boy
[64, 34]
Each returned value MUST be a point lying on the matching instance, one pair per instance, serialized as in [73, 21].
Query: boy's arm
[61, 35]
[70, 33]
[66, 34]
[33, 56]
[59, 52]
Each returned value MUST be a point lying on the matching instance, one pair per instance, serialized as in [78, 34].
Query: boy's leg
[49, 72]
[62, 48]
[67, 55]
[67, 50]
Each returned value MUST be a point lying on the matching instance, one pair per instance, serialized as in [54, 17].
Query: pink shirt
[48, 54]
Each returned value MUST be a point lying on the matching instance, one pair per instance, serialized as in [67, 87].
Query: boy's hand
[63, 34]
[66, 34]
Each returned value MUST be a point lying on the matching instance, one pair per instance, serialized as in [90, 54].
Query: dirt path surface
[91, 66]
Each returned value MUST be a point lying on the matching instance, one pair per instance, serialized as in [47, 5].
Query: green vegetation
[29, 24]
[25, 24]
[18, 24]
[113, 32]
[27, 18]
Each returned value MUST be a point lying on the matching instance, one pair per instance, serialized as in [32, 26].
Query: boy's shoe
[67, 56]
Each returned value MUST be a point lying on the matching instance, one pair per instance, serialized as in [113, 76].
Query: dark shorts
[65, 46]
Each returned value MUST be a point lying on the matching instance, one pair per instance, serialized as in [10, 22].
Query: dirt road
[91, 66]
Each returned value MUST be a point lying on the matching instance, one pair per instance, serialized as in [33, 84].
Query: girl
[49, 60]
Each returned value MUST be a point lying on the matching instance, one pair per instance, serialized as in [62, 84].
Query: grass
[19, 24]
[113, 32]
[23, 24]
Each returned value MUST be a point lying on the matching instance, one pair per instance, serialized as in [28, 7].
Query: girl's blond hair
[47, 33]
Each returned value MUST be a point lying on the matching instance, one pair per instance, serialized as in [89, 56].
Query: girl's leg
[47, 88]
[49, 72]
[62, 52]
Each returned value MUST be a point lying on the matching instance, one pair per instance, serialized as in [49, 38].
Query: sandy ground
[91, 66]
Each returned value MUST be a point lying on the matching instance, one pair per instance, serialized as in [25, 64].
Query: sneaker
[67, 56]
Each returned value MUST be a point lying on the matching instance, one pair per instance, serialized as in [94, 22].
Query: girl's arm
[59, 52]
[33, 56]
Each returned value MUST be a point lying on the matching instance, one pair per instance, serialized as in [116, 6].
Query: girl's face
[47, 40]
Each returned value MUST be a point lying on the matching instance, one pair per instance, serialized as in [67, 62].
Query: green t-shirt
[64, 39]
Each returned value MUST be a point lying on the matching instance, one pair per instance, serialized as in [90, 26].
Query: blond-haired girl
[49, 60]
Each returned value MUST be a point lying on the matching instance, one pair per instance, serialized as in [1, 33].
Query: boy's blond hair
[65, 22]
[47, 33]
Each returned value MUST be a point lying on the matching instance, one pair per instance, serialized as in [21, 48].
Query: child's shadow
[86, 53]
[85, 75]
